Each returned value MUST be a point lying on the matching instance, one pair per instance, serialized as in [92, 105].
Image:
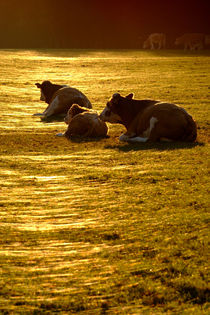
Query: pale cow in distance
[155, 41]
[149, 120]
[60, 98]
[191, 41]
[84, 122]
[207, 41]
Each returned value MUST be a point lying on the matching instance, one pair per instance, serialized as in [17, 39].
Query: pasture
[98, 226]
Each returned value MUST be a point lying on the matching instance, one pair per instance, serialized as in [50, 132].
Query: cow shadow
[82, 139]
[158, 146]
[52, 119]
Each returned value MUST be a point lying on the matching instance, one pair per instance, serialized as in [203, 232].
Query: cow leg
[137, 139]
[126, 136]
[154, 136]
[45, 111]
[153, 130]
[60, 134]
[129, 138]
[52, 107]
[157, 134]
[42, 114]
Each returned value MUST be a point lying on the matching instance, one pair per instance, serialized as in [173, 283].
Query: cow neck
[51, 92]
[131, 109]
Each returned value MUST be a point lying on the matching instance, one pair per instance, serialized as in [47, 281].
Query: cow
[84, 122]
[191, 41]
[149, 120]
[207, 41]
[60, 98]
[155, 41]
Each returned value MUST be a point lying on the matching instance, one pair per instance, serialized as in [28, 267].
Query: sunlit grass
[98, 226]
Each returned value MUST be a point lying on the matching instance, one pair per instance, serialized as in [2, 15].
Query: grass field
[98, 226]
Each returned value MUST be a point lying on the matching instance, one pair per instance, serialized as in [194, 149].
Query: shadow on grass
[80, 139]
[53, 118]
[158, 146]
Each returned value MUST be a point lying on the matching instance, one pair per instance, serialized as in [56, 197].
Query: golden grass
[98, 226]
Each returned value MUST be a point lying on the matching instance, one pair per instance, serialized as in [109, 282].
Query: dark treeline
[97, 23]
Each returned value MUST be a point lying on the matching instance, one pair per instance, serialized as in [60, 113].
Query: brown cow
[84, 122]
[191, 41]
[60, 98]
[149, 120]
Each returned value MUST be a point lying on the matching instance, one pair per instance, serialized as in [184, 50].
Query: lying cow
[149, 120]
[60, 98]
[155, 41]
[84, 122]
[191, 41]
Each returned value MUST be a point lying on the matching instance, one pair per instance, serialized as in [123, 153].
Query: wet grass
[97, 226]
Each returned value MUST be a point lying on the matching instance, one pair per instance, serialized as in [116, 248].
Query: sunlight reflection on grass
[99, 226]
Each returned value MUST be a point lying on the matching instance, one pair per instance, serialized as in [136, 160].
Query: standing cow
[155, 41]
[207, 41]
[149, 120]
[191, 41]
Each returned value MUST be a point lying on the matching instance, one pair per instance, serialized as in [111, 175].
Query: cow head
[47, 90]
[112, 111]
[74, 110]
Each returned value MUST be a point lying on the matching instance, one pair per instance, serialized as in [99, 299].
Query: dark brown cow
[60, 98]
[149, 120]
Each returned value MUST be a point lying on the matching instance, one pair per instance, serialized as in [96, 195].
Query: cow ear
[38, 85]
[115, 97]
[130, 96]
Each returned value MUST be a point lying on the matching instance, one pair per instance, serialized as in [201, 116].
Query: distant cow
[60, 98]
[84, 122]
[191, 41]
[155, 41]
[149, 120]
[207, 41]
